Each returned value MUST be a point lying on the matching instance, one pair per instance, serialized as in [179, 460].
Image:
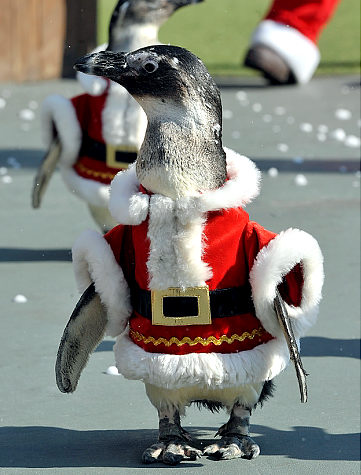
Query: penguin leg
[235, 442]
[173, 441]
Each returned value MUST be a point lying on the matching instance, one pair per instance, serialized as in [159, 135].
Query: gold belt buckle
[204, 311]
[111, 151]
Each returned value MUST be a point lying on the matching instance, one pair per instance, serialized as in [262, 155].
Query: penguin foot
[270, 64]
[170, 453]
[231, 447]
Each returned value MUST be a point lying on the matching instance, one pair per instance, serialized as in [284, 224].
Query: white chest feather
[175, 255]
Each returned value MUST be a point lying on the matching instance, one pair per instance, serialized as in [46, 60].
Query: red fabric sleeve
[255, 237]
[115, 238]
[89, 113]
[306, 16]
[81, 106]
[291, 287]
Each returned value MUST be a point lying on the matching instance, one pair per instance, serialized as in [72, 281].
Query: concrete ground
[306, 141]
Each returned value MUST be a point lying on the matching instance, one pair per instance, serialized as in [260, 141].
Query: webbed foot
[170, 453]
[230, 447]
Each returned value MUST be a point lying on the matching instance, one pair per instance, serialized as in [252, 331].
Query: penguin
[94, 135]
[187, 283]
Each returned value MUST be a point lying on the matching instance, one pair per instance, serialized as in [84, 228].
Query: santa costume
[210, 243]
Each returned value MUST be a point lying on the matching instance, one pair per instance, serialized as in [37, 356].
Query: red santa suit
[291, 29]
[100, 133]
[203, 240]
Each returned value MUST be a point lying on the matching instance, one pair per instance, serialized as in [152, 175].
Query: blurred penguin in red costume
[93, 136]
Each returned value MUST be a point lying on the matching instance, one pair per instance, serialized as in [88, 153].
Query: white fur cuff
[276, 260]
[127, 205]
[301, 54]
[94, 261]
[59, 111]
[93, 192]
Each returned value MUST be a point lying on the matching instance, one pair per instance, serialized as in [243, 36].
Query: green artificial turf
[218, 31]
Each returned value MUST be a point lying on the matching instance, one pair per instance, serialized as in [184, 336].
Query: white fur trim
[127, 205]
[123, 120]
[94, 261]
[175, 250]
[300, 53]
[242, 187]
[60, 111]
[93, 85]
[93, 192]
[272, 263]
[210, 370]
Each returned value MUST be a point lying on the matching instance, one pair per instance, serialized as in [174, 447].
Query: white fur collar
[129, 206]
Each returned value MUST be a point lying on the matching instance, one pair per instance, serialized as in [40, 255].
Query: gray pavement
[105, 425]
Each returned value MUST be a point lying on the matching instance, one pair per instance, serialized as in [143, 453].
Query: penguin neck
[133, 37]
[181, 155]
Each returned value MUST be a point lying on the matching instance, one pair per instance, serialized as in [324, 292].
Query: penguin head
[182, 152]
[141, 12]
[161, 78]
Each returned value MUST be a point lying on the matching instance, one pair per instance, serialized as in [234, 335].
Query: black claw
[172, 459]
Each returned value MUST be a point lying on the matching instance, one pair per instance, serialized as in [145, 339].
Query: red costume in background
[284, 44]
[309, 17]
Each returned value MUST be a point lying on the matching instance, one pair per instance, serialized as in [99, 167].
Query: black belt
[98, 151]
[223, 303]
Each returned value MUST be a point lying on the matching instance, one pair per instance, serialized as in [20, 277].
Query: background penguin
[94, 135]
[187, 282]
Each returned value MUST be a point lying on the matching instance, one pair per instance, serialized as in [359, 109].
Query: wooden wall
[40, 39]
[31, 39]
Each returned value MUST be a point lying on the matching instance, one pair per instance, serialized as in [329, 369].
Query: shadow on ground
[48, 447]
[27, 158]
[15, 254]
[320, 346]
[310, 346]
[32, 159]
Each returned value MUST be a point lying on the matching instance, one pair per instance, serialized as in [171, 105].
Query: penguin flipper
[45, 172]
[85, 329]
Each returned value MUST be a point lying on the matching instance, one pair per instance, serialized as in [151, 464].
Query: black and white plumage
[133, 24]
[181, 97]
[188, 175]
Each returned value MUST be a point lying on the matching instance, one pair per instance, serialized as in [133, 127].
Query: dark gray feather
[45, 172]
[84, 331]
[286, 326]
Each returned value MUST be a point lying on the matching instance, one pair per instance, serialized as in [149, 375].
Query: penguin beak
[105, 63]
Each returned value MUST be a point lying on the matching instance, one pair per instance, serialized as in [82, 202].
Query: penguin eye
[150, 66]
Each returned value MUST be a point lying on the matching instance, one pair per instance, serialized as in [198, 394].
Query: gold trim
[203, 341]
[204, 312]
[104, 175]
[111, 151]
